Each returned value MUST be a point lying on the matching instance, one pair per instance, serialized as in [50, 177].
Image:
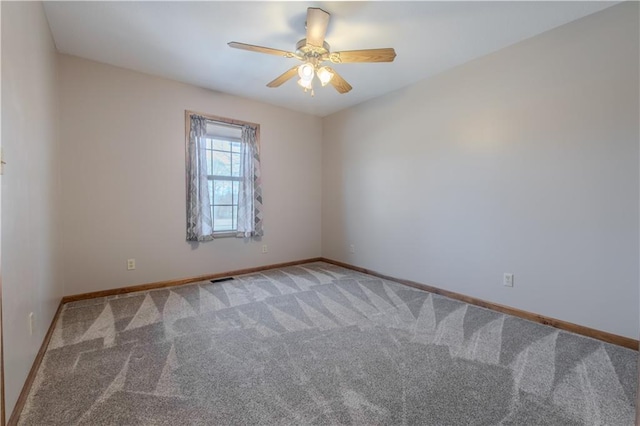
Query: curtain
[250, 191]
[199, 223]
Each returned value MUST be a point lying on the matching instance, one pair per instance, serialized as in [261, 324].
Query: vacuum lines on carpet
[320, 344]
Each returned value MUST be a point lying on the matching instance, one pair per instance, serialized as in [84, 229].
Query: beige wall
[523, 161]
[123, 179]
[29, 187]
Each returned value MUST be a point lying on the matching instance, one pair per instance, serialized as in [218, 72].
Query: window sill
[225, 234]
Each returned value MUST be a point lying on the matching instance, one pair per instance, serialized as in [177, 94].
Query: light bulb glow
[306, 72]
[324, 75]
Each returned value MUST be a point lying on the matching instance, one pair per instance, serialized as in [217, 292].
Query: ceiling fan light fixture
[324, 75]
[305, 84]
[306, 72]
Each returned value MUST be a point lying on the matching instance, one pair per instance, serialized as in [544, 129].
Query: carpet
[319, 344]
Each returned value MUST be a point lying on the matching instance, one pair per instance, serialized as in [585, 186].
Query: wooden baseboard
[2, 406]
[183, 281]
[22, 398]
[563, 325]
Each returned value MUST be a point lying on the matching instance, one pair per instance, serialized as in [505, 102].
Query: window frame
[224, 121]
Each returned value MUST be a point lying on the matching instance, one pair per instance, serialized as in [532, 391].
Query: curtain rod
[224, 124]
[224, 120]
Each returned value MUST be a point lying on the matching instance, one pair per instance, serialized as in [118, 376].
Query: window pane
[221, 145]
[236, 191]
[222, 192]
[209, 161]
[235, 146]
[236, 164]
[222, 218]
[210, 192]
[221, 163]
[235, 217]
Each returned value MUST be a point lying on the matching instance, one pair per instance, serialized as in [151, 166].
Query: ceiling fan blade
[260, 49]
[284, 77]
[317, 22]
[367, 55]
[338, 82]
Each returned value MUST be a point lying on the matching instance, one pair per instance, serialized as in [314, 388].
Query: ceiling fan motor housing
[309, 51]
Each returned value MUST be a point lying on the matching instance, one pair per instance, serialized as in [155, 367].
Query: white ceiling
[187, 41]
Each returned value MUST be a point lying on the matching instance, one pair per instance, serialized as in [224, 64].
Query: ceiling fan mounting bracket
[309, 51]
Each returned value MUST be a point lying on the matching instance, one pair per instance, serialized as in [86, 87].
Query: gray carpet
[319, 344]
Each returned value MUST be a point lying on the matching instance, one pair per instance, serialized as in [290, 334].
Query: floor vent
[219, 280]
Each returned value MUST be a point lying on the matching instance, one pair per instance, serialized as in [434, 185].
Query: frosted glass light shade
[306, 72]
[324, 75]
[305, 84]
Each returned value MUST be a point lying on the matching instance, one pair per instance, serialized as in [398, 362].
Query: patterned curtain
[199, 223]
[250, 195]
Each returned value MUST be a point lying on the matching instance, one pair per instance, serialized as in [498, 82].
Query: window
[223, 173]
[224, 195]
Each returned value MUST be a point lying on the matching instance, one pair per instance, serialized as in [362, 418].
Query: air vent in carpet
[219, 280]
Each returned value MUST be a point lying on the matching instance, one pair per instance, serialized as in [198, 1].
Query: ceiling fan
[313, 51]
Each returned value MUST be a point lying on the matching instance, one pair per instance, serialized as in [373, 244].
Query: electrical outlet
[131, 264]
[31, 320]
[2, 163]
[507, 280]
[264, 248]
[352, 248]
